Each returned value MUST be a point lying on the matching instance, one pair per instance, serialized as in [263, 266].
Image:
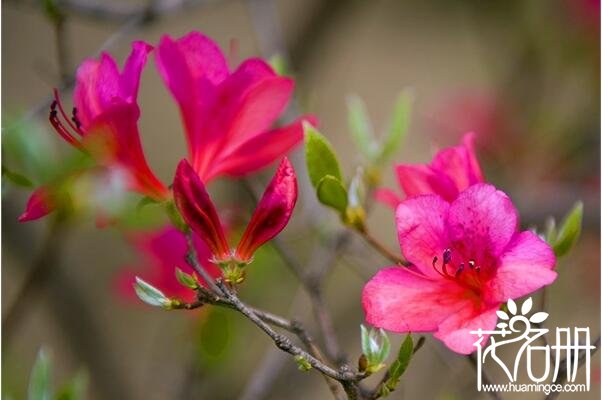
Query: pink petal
[399, 300]
[198, 210]
[459, 164]
[113, 137]
[132, 70]
[272, 213]
[387, 197]
[419, 179]
[40, 204]
[525, 267]
[99, 83]
[481, 222]
[455, 330]
[258, 109]
[422, 231]
[260, 151]
[192, 68]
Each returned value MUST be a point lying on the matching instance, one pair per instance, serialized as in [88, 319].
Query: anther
[446, 256]
[459, 270]
[471, 264]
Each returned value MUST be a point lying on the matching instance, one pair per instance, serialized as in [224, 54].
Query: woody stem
[381, 248]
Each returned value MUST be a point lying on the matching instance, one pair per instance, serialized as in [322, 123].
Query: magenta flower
[271, 215]
[451, 171]
[161, 251]
[468, 258]
[104, 121]
[227, 115]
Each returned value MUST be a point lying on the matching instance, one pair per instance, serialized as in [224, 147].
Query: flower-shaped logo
[514, 316]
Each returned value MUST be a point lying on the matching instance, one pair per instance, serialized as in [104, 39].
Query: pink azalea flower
[227, 115]
[468, 258]
[104, 121]
[271, 214]
[161, 251]
[451, 171]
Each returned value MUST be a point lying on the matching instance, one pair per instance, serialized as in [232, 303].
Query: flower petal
[272, 213]
[455, 330]
[387, 197]
[422, 232]
[258, 109]
[40, 204]
[459, 164]
[525, 267]
[400, 300]
[417, 179]
[132, 70]
[198, 210]
[481, 222]
[114, 137]
[260, 151]
[190, 64]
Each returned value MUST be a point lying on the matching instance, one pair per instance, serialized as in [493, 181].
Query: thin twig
[281, 341]
[382, 249]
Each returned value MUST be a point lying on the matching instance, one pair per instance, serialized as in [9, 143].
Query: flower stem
[382, 249]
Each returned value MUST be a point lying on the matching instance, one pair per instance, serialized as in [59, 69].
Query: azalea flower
[270, 217]
[227, 114]
[451, 171]
[104, 123]
[468, 258]
[162, 251]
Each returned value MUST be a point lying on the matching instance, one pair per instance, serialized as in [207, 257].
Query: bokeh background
[524, 75]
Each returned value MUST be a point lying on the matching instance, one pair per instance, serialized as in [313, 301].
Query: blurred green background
[524, 75]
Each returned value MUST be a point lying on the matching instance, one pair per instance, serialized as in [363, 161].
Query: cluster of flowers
[459, 234]
[227, 116]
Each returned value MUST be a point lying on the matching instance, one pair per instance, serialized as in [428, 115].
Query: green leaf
[75, 389]
[186, 280]
[319, 156]
[398, 128]
[385, 348]
[360, 127]
[331, 193]
[569, 231]
[150, 294]
[404, 356]
[39, 380]
[16, 178]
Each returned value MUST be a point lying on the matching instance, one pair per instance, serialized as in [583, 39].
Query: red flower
[270, 217]
[468, 257]
[227, 115]
[104, 121]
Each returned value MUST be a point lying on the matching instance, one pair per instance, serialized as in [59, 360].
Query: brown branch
[381, 248]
